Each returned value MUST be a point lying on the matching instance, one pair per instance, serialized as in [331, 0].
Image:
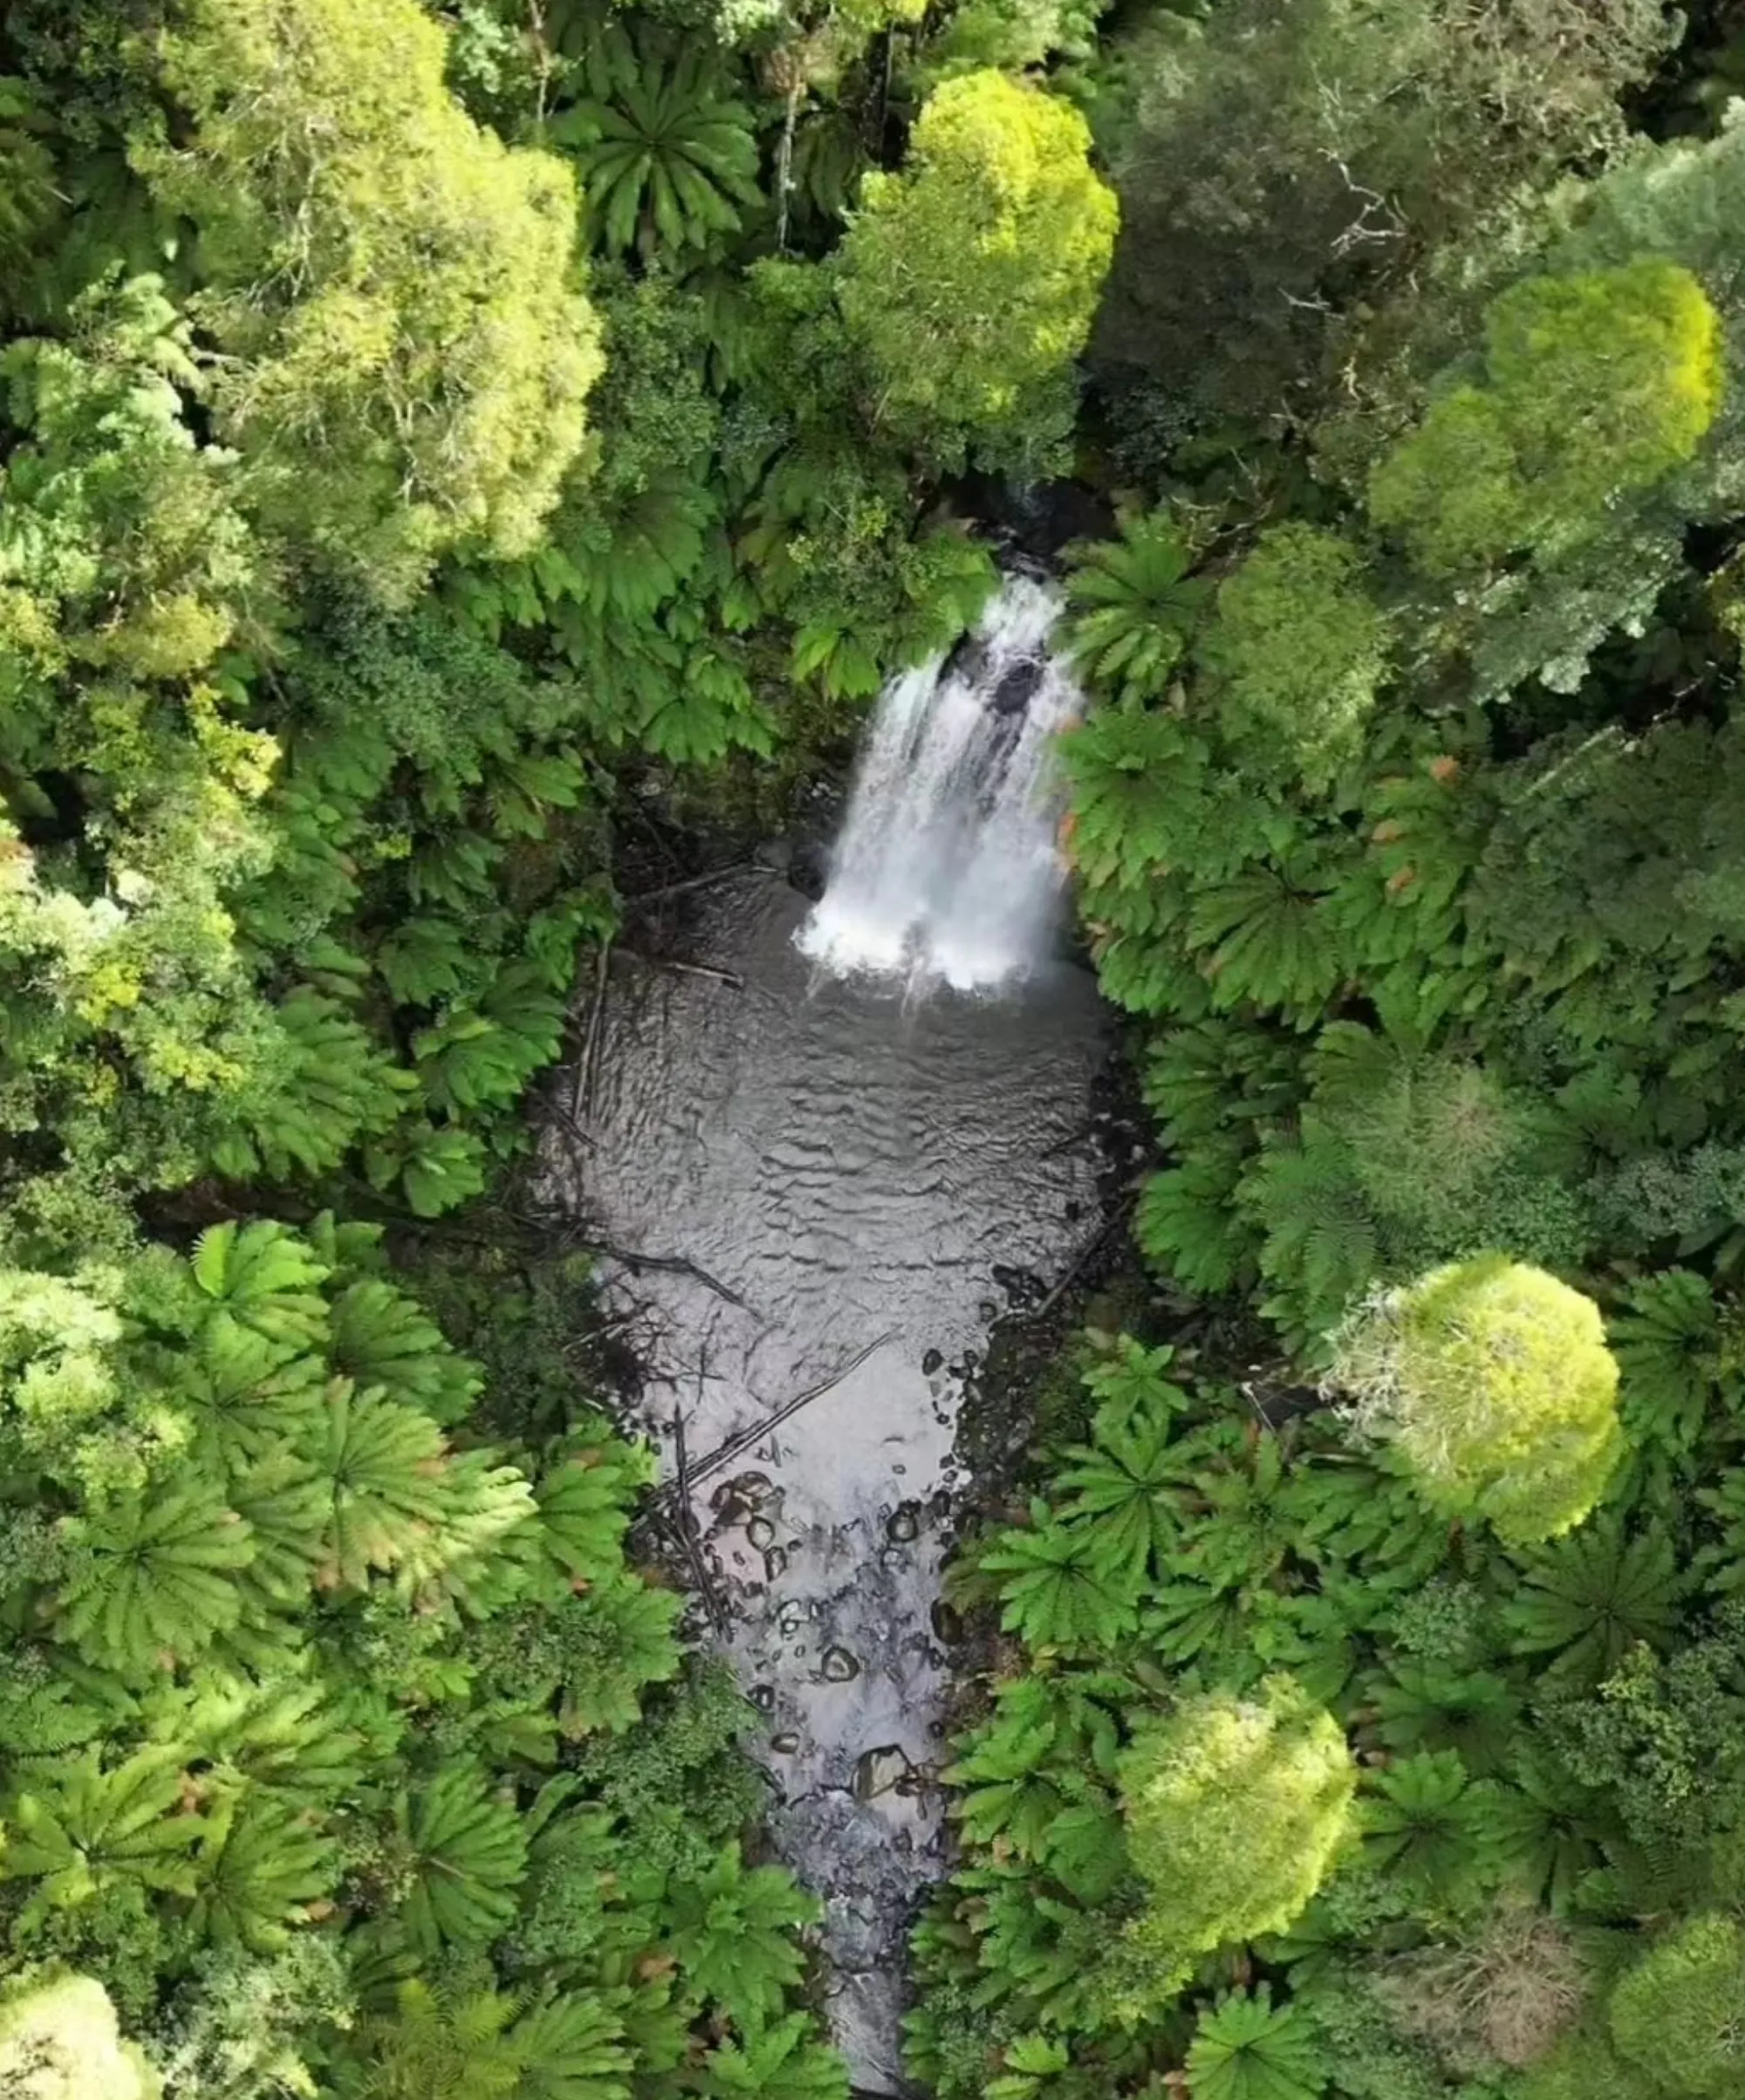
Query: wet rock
[903, 1524]
[838, 1666]
[941, 1501]
[774, 1564]
[786, 1743]
[760, 1533]
[930, 1362]
[764, 1698]
[989, 1309]
[1017, 687]
[947, 1622]
[809, 869]
[881, 1771]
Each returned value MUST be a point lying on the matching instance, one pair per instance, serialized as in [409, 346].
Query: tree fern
[381, 1337]
[244, 1393]
[435, 2046]
[298, 1740]
[382, 1482]
[776, 2060]
[1266, 937]
[732, 1929]
[258, 1865]
[483, 1057]
[1667, 1343]
[1117, 1487]
[439, 1167]
[281, 1497]
[1133, 606]
[1585, 1598]
[1246, 2048]
[1187, 1224]
[1058, 1589]
[475, 1552]
[1129, 770]
[467, 1856]
[1017, 1769]
[79, 1832]
[265, 1278]
[153, 1576]
[667, 162]
[1425, 1825]
[43, 1713]
[1426, 1706]
[1320, 1250]
[427, 959]
[331, 1087]
[1545, 1828]
[585, 1499]
[573, 2048]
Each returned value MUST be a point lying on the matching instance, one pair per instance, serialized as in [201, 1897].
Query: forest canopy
[446, 441]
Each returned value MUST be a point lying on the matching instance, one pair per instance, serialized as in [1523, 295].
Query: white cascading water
[946, 867]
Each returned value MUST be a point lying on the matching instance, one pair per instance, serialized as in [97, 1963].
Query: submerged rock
[881, 1771]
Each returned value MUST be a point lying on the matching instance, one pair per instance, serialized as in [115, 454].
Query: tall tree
[969, 280]
[405, 349]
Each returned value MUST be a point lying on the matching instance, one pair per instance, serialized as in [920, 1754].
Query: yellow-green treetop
[1234, 1807]
[405, 349]
[1494, 1380]
[969, 280]
[1595, 385]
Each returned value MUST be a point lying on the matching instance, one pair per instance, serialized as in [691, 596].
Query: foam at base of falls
[946, 868]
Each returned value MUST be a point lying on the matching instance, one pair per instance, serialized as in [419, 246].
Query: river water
[860, 1170]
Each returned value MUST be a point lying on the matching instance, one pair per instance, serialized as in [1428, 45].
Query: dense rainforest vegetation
[440, 443]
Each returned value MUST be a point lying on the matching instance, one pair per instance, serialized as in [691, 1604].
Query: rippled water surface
[852, 1168]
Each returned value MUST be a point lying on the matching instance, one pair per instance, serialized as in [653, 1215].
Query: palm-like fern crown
[1133, 606]
[668, 158]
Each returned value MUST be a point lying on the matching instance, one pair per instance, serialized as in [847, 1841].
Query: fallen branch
[582, 1102]
[685, 969]
[696, 882]
[574, 1129]
[1084, 1131]
[687, 1518]
[1080, 1261]
[745, 1440]
[677, 1265]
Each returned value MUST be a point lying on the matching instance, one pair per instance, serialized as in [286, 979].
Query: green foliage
[1133, 606]
[1244, 2049]
[1675, 2015]
[1584, 1599]
[392, 410]
[1298, 649]
[668, 161]
[446, 2046]
[1596, 385]
[1233, 1809]
[968, 282]
[1064, 1586]
[1494, 1381]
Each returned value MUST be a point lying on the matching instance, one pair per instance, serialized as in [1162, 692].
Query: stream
[866, 1135]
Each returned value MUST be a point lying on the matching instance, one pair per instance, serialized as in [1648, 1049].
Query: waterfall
[946, 866]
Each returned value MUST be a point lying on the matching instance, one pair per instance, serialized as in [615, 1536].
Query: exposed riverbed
[864, 1178]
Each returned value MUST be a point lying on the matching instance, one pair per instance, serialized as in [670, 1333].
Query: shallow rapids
[848, 1166]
